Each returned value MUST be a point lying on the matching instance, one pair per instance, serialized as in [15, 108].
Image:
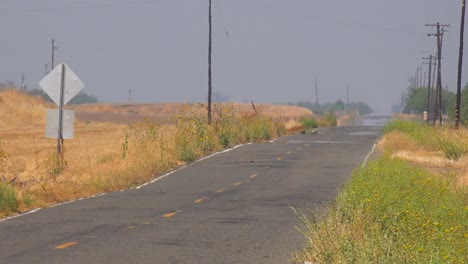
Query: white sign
[51, 84]
[52, 123]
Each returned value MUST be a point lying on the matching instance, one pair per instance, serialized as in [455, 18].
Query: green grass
[8, 202]
[309, 123]
[453, 145]
[391, 212]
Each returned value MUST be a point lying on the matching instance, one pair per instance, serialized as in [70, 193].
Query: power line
[89, 6]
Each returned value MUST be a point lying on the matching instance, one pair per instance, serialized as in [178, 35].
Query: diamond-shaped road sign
[51, 84]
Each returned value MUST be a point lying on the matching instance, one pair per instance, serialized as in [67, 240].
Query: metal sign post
[60, 126]
[61, 85]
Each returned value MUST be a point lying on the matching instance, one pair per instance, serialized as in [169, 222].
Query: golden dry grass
[102, 156]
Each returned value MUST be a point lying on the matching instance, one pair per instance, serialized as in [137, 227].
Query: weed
[309, 123]
[452, 150]
[454, 144]
[125, 146]
[55, 165]
[8, 201]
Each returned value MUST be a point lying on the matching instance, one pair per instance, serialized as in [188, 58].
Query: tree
[416, 101]
[339, 105]
[463, 107]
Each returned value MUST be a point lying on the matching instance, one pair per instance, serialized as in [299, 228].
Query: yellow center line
[63, 246]
[169, 215]
[306, 145]
[279, 158]
[289, 152]
[237, 183]
[145, 223]
[131, 227]
[198, 201]
[253, 176]
[221, 190]
[298, 148]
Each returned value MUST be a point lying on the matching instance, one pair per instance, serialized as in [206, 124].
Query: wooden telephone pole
[209, 63]
[53, 55]
[460, 66]
[440, 36]
[429, 87]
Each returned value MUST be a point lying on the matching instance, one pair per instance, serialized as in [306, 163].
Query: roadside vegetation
[107, 157]
[410, 205]
[416, 103]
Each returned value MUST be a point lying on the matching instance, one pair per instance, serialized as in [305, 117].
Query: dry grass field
[129, 146]
[164, 113]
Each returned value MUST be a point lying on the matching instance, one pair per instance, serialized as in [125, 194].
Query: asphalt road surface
[234, 207]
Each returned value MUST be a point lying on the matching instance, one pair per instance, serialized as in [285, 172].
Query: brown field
[106, 153]
[164, 113]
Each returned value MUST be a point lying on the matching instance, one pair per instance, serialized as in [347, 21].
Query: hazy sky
[158, 48]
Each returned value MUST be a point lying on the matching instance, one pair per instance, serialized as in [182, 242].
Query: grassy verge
[391, 212]
[408, 206]
[452, 143]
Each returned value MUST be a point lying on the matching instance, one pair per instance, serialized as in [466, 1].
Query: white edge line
[368, 155]
[23, 214]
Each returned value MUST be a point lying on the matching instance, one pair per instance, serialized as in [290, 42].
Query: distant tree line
[416, 102]
[338, 106]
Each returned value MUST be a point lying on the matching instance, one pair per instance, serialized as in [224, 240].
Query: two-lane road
[234, 207]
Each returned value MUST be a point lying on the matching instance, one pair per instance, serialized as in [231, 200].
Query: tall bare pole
[347, 98]
[316, 93]
[421, 77]
[53, 54]
[438, 105]
[460, 67]
[429, 88]
[440, 36]
[61, 103]
[209, 63]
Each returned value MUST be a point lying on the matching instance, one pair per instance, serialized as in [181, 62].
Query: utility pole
[429, 87]
[53, 54]
[316, 93]
[209, 62]
[424, 80]
[23, 83]
[460, 66]
[440, 36]
[347, 98]
[416, 77]
[46, 66]
[129, 95]
[421, 77]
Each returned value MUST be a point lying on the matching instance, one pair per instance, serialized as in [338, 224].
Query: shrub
[309, 123]
[8, 201]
